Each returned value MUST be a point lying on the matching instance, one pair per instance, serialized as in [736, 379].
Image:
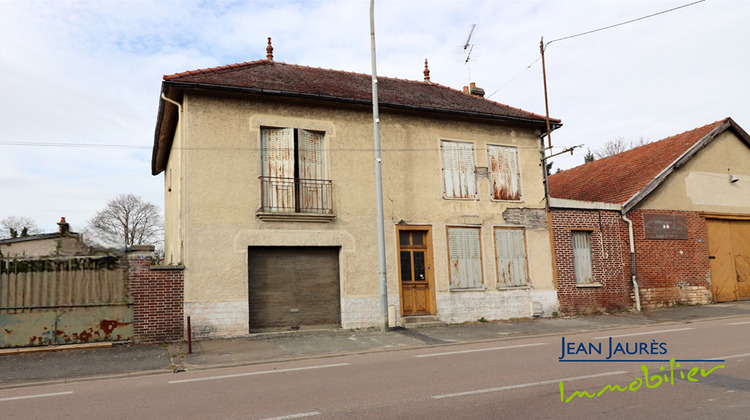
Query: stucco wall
[221, 155]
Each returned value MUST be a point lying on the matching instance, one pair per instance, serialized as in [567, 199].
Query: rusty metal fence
[60, 300]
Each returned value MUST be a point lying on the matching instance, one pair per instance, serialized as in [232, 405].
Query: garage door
[729, 253]
[291, 287]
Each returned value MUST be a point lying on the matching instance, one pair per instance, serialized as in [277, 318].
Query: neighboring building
[62, 242]
[270, 199]
[688, 198]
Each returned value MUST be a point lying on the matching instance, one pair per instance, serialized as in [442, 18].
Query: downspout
[632, 263]
[181, 180]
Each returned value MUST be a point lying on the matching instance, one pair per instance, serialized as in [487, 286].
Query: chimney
[474, 90]
[426, 72]
[269, 50]
[64, 226]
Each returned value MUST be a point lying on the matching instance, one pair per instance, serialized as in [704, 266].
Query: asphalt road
[517, 378]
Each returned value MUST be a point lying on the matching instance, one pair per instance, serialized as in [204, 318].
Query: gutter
[633, 276]
[181, 183]
[276, 92]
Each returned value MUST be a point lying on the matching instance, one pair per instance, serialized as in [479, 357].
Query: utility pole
[378, 180]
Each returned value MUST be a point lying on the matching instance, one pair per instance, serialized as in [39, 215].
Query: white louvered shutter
[465, 258]
[582, 256]
[511, 258]
[504, 172]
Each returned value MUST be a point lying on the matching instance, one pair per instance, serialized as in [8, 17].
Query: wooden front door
[415, 271]
[729, 253]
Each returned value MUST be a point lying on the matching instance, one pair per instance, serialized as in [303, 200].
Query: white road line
[36, 396]
[740, 323]
[295, 416]
[734, 356]
[478, 350]
[509, 387]
[644, 333]
[237, 375]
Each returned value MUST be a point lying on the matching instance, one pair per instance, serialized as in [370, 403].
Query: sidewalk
[80, 363]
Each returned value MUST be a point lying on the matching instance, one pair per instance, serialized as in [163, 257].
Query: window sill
[296, 217]
[523, 287]
[585, 285]
[473, 289]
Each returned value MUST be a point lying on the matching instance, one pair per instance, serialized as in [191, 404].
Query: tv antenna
[468, 47]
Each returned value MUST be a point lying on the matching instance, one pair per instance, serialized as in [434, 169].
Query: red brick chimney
[64, 226]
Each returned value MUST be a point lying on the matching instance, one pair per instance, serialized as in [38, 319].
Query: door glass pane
[417, 238]
[406, 266]
[419, 273]
[403, 237]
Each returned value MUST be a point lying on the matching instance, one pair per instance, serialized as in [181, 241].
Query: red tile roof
[281, 79]
[618, 178]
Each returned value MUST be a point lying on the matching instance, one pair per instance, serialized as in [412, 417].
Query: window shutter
[504, 172]
[582, 256]
[311, 171]
[510, 248]
[458, 169]
[277, 157]
[465, 258]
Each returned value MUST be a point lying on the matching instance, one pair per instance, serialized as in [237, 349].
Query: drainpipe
[181, 184]
[632, 263]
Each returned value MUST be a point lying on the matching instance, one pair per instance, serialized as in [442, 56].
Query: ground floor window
[465, 258]
[582, 260]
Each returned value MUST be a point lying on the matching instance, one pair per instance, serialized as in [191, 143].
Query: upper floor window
[459, 174]
[505, 177]
[293, 171]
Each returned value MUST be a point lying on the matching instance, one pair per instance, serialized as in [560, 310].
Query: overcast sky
[83, 72]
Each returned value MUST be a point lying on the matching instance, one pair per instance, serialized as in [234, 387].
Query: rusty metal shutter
[582, 257]
[464, 253]
[277, 161]
[311, 171]
[293, 287]
[510, 248]
[458, 169]
[504, 172]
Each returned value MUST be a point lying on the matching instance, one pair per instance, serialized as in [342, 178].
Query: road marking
[295, 416]
[509, 387]
[644, 333]
[237, 375]
[740, 323]
[734, 356]
[478, 350]
[36, 396]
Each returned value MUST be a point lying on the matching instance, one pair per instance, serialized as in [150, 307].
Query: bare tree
[15, 226]
[136, 221]
[618, 145]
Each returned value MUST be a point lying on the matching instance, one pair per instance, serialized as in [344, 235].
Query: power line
[61, 144]
[591, 32]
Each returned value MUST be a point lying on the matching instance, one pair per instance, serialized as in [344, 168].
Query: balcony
[292, 199]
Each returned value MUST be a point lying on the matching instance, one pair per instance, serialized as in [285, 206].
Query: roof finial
[269, 50]
[426, 71]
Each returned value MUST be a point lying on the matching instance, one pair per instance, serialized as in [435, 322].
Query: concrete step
[420, 321]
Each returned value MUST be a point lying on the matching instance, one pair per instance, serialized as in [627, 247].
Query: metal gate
[64, 300]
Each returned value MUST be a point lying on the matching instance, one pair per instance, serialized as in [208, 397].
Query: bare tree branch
[18, 225]
[129, 217]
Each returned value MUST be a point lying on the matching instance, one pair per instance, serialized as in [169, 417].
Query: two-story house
[270, 200]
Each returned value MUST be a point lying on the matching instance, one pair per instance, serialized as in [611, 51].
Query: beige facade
[213, 201]
[702, 184]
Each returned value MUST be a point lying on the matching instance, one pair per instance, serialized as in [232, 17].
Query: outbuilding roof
[627, 177]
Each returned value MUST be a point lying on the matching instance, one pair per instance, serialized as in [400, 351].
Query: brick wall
[158, 301]
[671, 271]
[612, 289]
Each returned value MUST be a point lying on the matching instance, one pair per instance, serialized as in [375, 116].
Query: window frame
[578, 270]
[514, 176]
[470, 173]
[527, 279]
[452, 280]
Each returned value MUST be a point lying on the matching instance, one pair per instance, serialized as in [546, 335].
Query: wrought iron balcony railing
[292, 195]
